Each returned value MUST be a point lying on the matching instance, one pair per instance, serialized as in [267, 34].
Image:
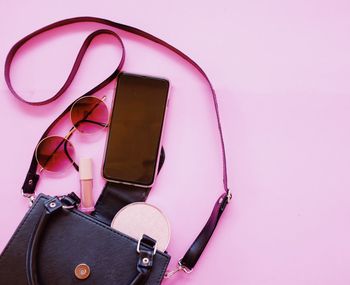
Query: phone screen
[135, 129]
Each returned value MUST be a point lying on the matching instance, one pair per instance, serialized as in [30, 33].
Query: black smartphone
[135, 130]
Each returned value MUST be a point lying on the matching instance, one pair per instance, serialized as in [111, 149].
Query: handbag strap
[191, 257]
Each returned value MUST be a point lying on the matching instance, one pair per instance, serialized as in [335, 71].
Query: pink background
[281, 70]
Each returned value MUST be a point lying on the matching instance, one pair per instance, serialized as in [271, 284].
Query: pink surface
[281, 70]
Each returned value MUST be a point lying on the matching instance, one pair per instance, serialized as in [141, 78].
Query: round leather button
[82, 271]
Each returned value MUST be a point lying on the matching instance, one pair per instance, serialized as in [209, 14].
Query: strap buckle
[139, 246]
[69, 201]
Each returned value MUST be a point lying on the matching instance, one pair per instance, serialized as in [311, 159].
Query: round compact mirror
[139, 218]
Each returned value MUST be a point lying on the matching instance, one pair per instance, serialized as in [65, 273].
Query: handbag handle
[192, 255]
[53, 207]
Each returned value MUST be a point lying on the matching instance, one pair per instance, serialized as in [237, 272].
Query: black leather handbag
[57, 244]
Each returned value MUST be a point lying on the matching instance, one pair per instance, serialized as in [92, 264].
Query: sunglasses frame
[66, 138]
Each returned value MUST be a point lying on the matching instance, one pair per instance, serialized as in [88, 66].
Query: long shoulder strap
[191, 257]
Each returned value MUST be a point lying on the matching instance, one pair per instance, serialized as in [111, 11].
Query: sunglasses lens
[89, 115]
[55, 153]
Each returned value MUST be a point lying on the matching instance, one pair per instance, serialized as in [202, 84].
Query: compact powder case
[140, 218]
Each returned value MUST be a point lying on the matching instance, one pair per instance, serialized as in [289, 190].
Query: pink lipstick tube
[87, 204]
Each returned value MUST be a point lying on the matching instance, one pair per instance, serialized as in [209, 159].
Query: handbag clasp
[180, 267]
[30, 197]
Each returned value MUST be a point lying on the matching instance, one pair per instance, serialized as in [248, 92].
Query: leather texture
[115, 196]
[69, 239]
[196, 249]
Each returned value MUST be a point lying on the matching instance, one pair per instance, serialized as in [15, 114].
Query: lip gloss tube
[87, 204]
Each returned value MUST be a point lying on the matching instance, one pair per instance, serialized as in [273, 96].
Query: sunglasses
[56, 153]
